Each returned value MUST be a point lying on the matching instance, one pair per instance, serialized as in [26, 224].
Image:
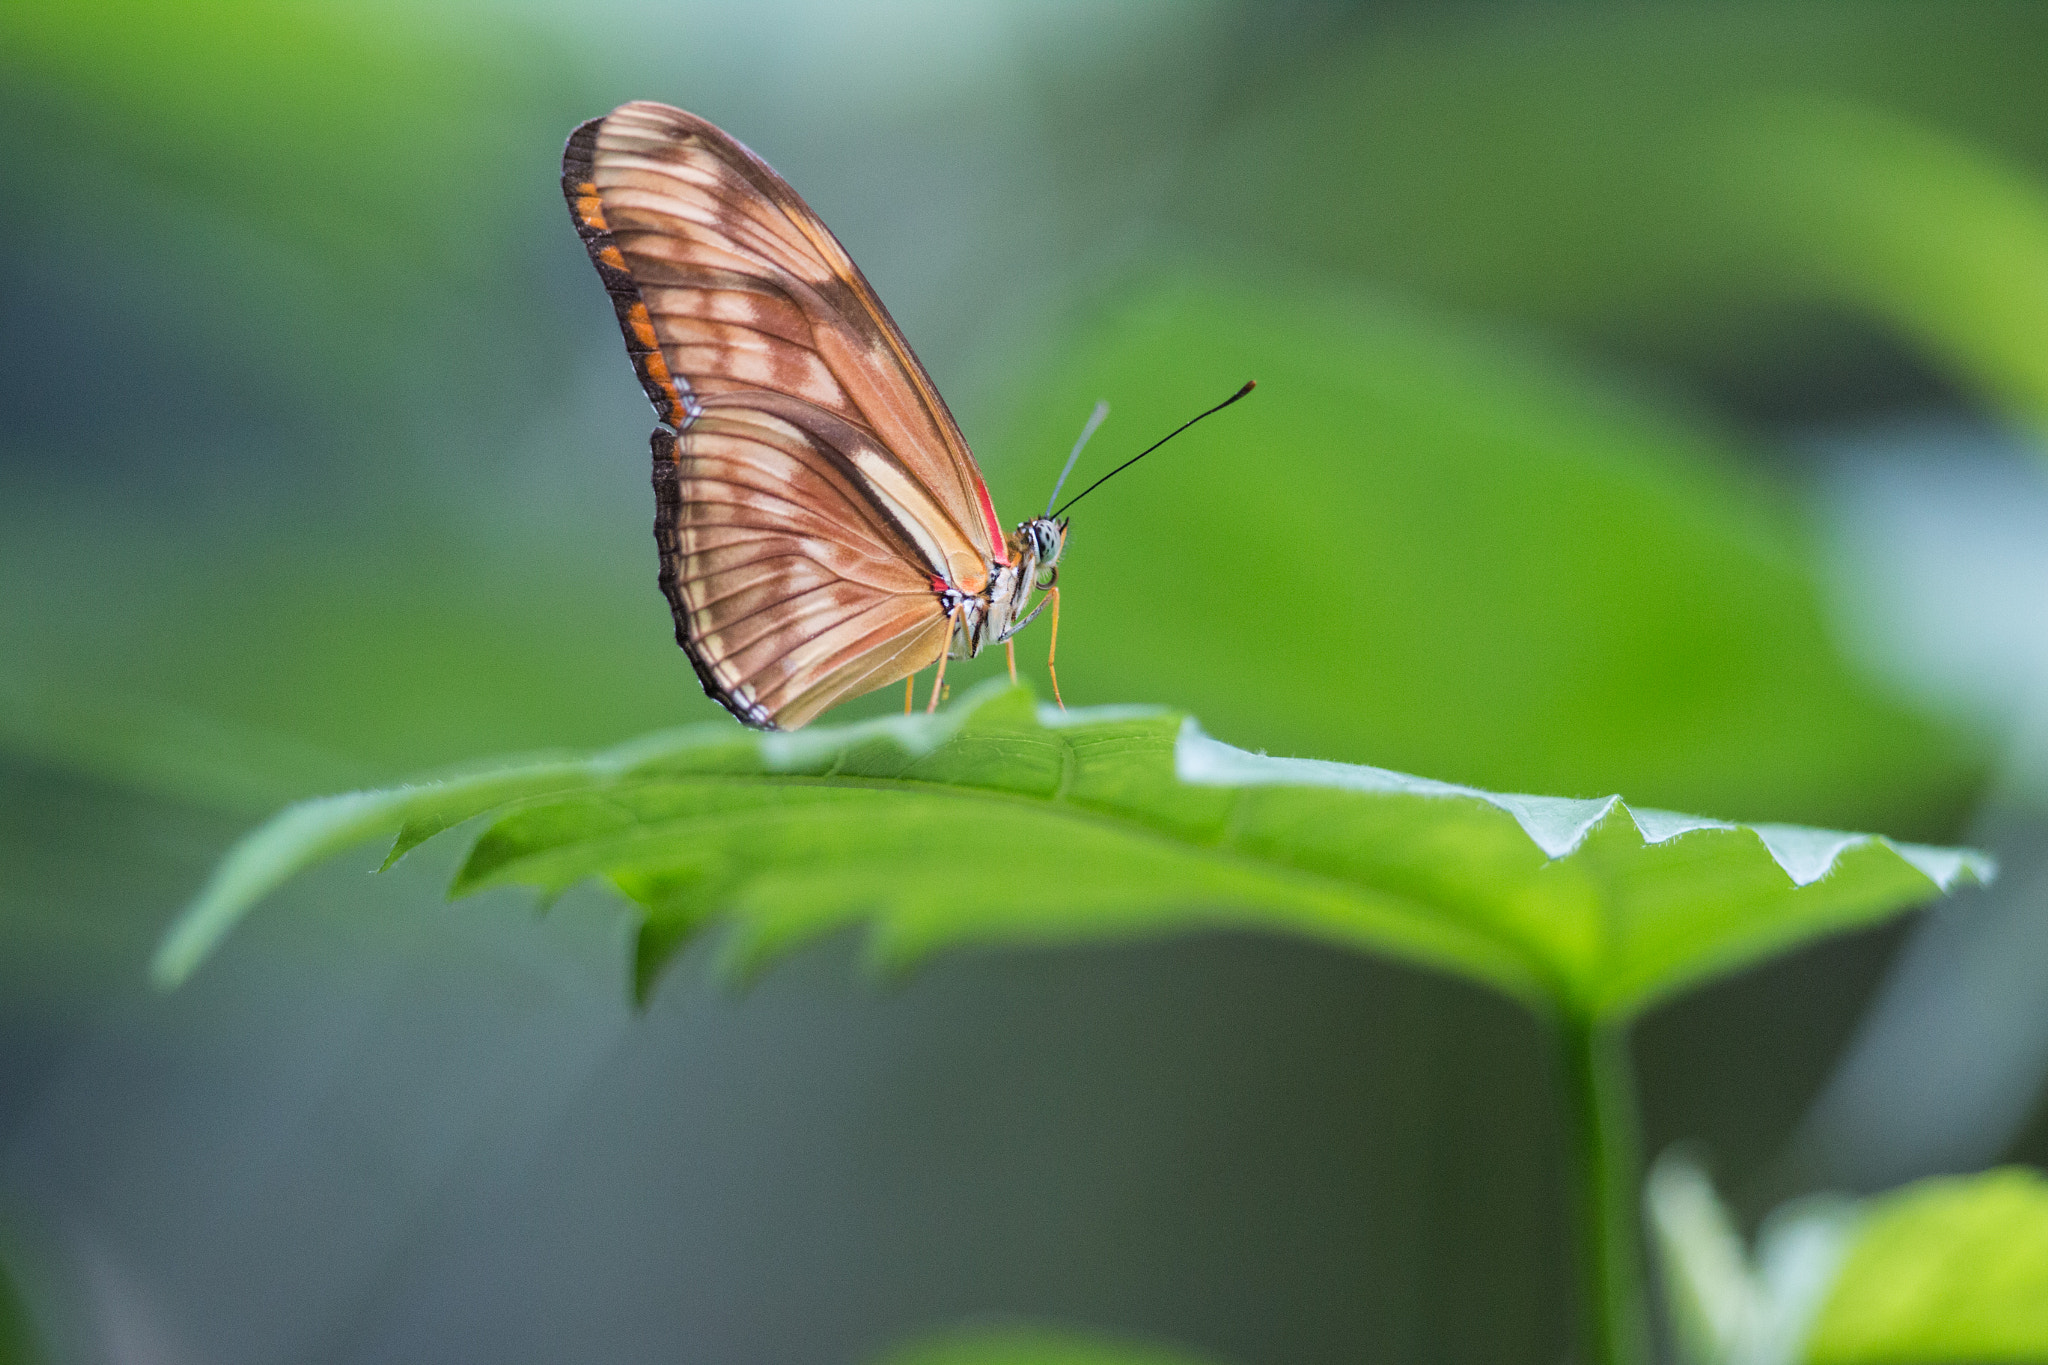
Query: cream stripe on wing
[810, 609]
[774, 663]
[878, 630]
[909, 653]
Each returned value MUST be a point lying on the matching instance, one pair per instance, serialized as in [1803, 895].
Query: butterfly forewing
[815, 490]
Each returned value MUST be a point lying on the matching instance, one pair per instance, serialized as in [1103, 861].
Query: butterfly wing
[816, 484]
[791, 590]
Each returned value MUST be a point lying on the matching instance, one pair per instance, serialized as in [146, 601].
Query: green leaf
[1000, 822]
[1937, 237]
[1944, 1270]
[165, 750]
[1028, 1345]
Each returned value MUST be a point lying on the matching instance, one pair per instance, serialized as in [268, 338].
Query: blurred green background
[1650, 401]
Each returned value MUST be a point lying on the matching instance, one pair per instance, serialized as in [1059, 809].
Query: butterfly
[823, 528]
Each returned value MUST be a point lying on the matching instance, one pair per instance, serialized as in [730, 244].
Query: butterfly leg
[1053, 651]
[909, 692]
[1010, 652]
[939, 682]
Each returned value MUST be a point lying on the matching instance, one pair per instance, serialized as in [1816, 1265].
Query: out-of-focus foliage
[1725, 1305]
[1575, 167]
[1948, 1269]
[1115, 825]
[18, 1345]
[1945, 1269]
[1931, 235]
[1028, 1345]
[307, 201]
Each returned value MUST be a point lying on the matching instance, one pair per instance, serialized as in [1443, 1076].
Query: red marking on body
[988, 519]
[939, 585]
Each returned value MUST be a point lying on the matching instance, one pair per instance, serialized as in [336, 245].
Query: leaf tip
[742, 958]
[171, 965]
[193, 936]
[893, 951]
[409, 837]
[656, 944]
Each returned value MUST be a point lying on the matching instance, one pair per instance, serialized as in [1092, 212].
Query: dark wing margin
[670, 393]
[668, 517]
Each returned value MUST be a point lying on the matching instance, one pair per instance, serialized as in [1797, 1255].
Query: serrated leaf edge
[1559, 824]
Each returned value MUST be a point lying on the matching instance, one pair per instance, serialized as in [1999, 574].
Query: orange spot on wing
[643, 328]
[652, 363]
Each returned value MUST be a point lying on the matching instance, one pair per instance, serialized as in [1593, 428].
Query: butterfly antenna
[1249, 385]
[1094, 421]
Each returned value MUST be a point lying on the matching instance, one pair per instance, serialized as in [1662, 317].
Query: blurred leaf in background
[1952, 1269]
[1920, 231]
[249, 210]
[1573, 169]
[1946, 1269]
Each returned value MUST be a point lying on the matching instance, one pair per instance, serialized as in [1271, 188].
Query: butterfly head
[1041, 539]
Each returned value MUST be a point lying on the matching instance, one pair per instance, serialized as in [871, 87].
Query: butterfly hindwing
[778, 572]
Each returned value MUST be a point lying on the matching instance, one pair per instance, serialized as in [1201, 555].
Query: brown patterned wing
[725, 282]
[793, 589]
